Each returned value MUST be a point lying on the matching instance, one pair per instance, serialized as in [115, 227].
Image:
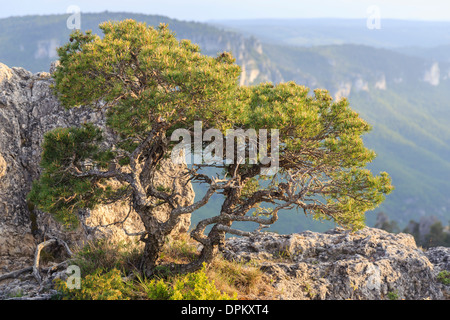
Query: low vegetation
[444, 277]
[109, 272]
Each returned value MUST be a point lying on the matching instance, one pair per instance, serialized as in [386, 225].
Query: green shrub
[193, 286]
[196, 286]
[393, 295]
[155, 289]
[444, 277]
[110, 286]
[97, 286]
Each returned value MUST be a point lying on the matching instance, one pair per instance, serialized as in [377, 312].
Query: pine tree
[150, 85]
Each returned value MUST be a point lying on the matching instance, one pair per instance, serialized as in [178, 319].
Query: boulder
[370, 264]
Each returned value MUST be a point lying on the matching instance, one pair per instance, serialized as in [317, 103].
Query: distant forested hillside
[31, 41]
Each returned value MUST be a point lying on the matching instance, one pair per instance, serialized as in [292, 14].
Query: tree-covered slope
[30, 41]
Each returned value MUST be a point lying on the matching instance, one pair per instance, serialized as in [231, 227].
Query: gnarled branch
[37, 255]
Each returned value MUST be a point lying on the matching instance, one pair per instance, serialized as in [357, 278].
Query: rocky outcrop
[432, 76]
[370, 264]
[28, 109]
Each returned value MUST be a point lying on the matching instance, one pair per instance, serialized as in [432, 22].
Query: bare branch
[15, 274]
[37, 255]
[215, 185]
[134, 234]
[235, 231]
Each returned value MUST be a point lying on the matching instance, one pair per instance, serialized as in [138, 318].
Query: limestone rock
[370, 264]
[440, 257]
[29, 109]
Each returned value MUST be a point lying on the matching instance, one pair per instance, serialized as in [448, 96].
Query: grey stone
[370, 264]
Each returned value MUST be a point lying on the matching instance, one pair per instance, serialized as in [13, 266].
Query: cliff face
[28, 110]
[256, 67]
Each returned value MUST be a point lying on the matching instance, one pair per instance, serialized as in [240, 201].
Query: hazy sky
[203, 10]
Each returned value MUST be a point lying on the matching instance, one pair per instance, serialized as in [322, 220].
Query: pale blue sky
[203, 10]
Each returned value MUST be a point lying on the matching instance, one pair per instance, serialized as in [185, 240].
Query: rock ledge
[370, 264]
